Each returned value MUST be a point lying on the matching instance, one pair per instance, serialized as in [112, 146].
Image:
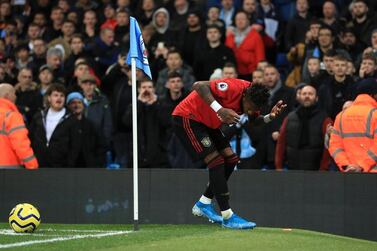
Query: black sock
[230, 162]
[218, 182]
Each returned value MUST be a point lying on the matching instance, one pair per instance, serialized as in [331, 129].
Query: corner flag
[137, 48]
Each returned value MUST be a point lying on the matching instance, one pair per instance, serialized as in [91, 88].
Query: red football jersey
[228, 92]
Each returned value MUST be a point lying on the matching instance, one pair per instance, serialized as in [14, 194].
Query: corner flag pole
[137, 57]
[135, 145]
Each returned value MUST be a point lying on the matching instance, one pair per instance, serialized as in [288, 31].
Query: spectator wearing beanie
[92, 148]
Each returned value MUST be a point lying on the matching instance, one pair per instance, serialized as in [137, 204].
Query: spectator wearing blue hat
[92, 148]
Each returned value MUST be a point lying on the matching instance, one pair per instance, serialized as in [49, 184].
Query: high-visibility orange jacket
[15, 149]
[354, 140]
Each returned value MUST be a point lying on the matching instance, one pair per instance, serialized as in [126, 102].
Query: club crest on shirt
[206, 141]
[222, 86]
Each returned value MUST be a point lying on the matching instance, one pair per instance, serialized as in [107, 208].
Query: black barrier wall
[344, 204]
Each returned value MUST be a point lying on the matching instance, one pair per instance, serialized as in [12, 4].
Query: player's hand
[277, 109]
[353, 169]
[228, 116]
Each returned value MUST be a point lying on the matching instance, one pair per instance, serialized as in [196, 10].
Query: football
[24, 218]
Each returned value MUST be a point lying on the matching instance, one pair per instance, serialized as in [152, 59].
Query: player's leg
[217, 179]
[216, 167]
[231, 159]
[230, 220]
[194, 137]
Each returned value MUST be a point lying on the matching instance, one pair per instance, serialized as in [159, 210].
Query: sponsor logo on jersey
[222, 86]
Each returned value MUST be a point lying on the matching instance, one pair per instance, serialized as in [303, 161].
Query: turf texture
[174, 237]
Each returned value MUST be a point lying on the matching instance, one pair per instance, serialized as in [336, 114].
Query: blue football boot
[236, 222]
[206, 210]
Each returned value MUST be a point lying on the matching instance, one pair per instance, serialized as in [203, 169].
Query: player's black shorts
[198, 139]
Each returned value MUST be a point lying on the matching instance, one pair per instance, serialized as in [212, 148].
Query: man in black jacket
[301, 141]
[150, 132]
[363, 22]
[214, 56]
[92, 147]
[175, 93]
[337, 89]
[297, 26]
[117, 85]
[53, 132]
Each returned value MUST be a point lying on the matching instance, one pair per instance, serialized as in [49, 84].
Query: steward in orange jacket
[15, 149]
[353, 142]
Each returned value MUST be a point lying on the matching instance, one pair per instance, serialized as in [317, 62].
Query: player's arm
[275, 111]
[226, 115]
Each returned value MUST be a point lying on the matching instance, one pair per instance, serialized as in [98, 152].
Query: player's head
[254, 98]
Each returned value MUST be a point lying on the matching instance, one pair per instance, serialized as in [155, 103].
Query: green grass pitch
[174, 237]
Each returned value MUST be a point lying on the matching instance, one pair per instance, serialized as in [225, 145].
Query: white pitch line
[79, 231]
[12, 233]
[41, 232]
[75, 237]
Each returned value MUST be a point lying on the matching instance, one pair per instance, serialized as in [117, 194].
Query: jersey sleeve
[228, 88]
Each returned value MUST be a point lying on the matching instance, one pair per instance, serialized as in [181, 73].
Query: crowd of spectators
[66, 61]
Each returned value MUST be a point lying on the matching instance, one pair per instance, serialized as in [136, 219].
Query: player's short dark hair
[56, 87]
[258, 94]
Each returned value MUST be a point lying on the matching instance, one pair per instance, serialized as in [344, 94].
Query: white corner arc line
[75, 237]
